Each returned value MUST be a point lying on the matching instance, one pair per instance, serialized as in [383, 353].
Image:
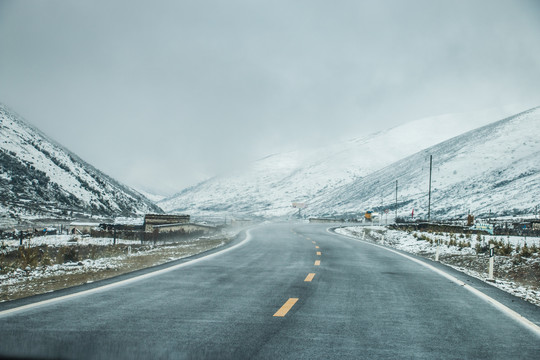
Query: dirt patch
[39, 270]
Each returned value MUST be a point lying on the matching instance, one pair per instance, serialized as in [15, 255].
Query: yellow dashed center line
[317, 262]
[316, 247]
[318, 253]
[314, 242]
[286, 307]
[309, 277]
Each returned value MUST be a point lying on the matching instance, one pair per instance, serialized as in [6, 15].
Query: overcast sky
[162, 94]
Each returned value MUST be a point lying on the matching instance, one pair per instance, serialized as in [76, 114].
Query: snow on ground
[32, 277]
[62, 240]
[410, 243]
[28, 275]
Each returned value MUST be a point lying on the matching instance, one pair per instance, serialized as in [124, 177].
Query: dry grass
[141, 257]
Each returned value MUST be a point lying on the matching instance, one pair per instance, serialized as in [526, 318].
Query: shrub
[525, 251]
[28, 256]
[505, 249]
[478, 237]
[67, 254]
[534, 248]
[481, 248]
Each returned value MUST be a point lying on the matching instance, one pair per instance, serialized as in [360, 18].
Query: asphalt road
[362, 302]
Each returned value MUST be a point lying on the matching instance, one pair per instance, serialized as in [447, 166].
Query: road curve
[293, 291]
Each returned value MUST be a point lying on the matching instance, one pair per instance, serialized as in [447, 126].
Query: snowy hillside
[150, 196]
[495, 168]
[270, 185]
[39, 178]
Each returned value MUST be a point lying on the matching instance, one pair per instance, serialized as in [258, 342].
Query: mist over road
[292, 290]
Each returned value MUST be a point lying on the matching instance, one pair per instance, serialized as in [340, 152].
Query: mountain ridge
[269, 186]
[39, 177]
[484, 171]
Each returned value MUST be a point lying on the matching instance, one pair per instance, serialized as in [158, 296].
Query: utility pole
[382, 210]
[395, 217]
[429, 196]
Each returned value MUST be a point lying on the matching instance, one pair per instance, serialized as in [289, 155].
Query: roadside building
[185, 228]
[325, 220]
[82, 227]
[153, 220]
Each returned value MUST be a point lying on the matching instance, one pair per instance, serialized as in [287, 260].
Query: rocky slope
[40, 178]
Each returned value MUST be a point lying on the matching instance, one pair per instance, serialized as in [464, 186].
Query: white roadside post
[491, 258]
[437, 251]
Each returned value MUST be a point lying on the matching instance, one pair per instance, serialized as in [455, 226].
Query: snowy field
[410, 241]
[425, 244]
[94, 256]
[62, 240]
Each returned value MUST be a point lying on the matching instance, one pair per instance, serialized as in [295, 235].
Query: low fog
[163, 94]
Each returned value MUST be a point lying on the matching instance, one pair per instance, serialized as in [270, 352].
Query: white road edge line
[506, 310]
[122, 282]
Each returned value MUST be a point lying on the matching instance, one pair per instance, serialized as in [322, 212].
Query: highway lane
[361, 302]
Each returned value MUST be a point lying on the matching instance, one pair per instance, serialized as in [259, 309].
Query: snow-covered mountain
[269, 186]
[151, 196]
[492, 170]
[40, 178]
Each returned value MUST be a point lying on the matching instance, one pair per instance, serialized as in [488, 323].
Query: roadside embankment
[516, 264]
[49, 263]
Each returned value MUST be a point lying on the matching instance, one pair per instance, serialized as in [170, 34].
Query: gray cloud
[161, 94]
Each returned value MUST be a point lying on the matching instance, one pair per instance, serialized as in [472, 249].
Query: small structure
[368, 216]
[184, 228]
[82, 227]
[325, 220]
[153, 220]
[241, 222]
[483, 227]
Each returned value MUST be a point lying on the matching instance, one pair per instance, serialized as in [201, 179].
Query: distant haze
[163, 94]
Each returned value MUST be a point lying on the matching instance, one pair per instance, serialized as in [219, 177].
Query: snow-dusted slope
[269, 185]
[38, 177]
[495, 168]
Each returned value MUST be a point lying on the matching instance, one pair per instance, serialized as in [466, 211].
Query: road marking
[316, 247]
[309, 277]
[317, 262]
[503, 308]
[308, 238]
[314, 242]
[123, 282]
[286, 307]
[318, 253]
